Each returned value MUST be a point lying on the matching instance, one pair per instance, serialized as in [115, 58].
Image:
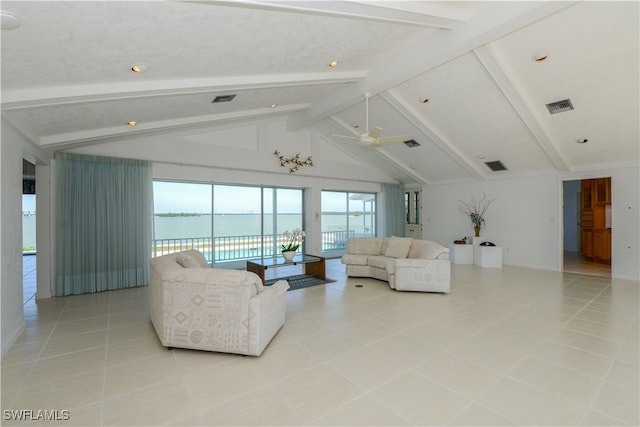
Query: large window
[346, 215]
[228, 223]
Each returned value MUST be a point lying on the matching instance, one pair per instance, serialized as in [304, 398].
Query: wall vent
[496, 166]
[560, 106]
[412, 143]
[223, 98]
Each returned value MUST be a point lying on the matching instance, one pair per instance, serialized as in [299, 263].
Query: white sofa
[407, 264]
[230, 311]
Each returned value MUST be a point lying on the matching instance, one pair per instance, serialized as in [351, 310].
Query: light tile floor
[508, 346]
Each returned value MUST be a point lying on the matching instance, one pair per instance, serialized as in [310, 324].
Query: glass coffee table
[313, 265]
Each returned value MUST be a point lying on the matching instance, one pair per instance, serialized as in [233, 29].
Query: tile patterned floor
[508, 346]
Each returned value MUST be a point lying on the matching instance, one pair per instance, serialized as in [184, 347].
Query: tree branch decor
[294, 163]
[475, 210]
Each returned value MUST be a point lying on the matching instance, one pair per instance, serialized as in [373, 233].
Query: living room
[237, 146]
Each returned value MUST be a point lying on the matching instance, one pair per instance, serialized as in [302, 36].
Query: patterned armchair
[230, 311]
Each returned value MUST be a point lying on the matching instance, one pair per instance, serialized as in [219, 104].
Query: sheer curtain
[392, 208]
[103, 232]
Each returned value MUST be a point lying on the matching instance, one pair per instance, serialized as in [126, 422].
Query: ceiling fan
[372, 137]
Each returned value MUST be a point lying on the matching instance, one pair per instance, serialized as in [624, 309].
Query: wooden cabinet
[602, 191]
[602, 246]
[587, 243]
[596, 237]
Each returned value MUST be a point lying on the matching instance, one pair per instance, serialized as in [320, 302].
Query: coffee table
[313, 265]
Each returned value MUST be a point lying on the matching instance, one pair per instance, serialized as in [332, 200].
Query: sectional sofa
[407, 264]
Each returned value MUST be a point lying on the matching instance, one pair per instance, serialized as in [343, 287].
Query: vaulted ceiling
[459, 78]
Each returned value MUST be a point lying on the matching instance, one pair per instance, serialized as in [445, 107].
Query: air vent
[223, 98]
[412, 143]
[496, 166]
[560, 106]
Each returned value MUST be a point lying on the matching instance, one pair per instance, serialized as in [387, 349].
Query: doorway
[29, 282]
[587, 226]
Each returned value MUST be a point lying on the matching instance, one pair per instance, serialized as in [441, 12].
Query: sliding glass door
[182, 218]
[229, 223]
[346, 215]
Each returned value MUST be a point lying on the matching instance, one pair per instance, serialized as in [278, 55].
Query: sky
[196, 198]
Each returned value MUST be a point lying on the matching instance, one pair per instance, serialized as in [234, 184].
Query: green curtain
[103, 233]
[392, 204]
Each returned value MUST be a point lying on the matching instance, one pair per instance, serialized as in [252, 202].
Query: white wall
[243, 155]
[11, 236]
[244, 149]
[526, 218]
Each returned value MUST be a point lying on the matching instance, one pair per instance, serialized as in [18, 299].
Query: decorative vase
[477, 230]
[288, 255]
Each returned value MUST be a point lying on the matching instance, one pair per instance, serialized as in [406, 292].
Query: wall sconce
[294, 162]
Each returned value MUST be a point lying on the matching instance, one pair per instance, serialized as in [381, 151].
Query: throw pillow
[398, 247]
[431, 250]
[187, 261]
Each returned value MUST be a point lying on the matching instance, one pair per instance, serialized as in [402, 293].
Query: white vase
[288, 255]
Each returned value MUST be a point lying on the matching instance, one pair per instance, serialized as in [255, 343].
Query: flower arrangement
[475, 210]
[293, 240]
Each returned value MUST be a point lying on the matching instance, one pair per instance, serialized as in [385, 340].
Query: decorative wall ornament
[294, 163]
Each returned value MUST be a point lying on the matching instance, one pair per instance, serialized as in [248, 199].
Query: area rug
[301, 281]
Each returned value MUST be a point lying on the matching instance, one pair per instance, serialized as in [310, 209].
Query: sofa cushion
[398, 247]
[415, 251]
[364, 246]
[431, 250]
[354, 259]
[187, 261]
[384, 262]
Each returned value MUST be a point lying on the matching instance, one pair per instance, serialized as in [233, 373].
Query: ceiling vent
[560, 106]
[223, 98]
[496, 166]
[412, 143]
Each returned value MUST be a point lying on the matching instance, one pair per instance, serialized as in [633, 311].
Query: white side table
[487, 256]
[460, 254]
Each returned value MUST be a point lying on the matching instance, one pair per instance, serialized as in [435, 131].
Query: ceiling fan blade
[386, 139]
[375, 132]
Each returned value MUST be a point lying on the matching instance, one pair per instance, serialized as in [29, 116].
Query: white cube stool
[488, 256]
[460, 254]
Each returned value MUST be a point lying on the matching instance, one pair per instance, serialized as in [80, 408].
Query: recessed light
[582, 141]
[333, 64]
[423, 100]
[132, 123]
[8, 20]
[355, 125]
[540, 56]
[272, 106]
[482, 156]
[139, 68]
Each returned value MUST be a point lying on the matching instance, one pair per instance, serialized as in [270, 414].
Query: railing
[235, 248]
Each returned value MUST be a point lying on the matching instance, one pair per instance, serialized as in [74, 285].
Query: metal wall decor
[294, 163]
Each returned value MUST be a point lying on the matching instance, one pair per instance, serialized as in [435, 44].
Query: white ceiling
[66, 79]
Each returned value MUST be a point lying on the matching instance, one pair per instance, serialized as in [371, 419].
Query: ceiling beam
[379, 11]
[91, 136]
[488, 59]
[493, 20]
[37, 97]
[409, 113]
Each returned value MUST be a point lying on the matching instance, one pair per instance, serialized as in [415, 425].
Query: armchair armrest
[426, 275]
[266, 315]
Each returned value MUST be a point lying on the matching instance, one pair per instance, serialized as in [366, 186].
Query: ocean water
[224, 225]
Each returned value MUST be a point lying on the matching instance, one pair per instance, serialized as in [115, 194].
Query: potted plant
[475, 210]
[293, 240]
